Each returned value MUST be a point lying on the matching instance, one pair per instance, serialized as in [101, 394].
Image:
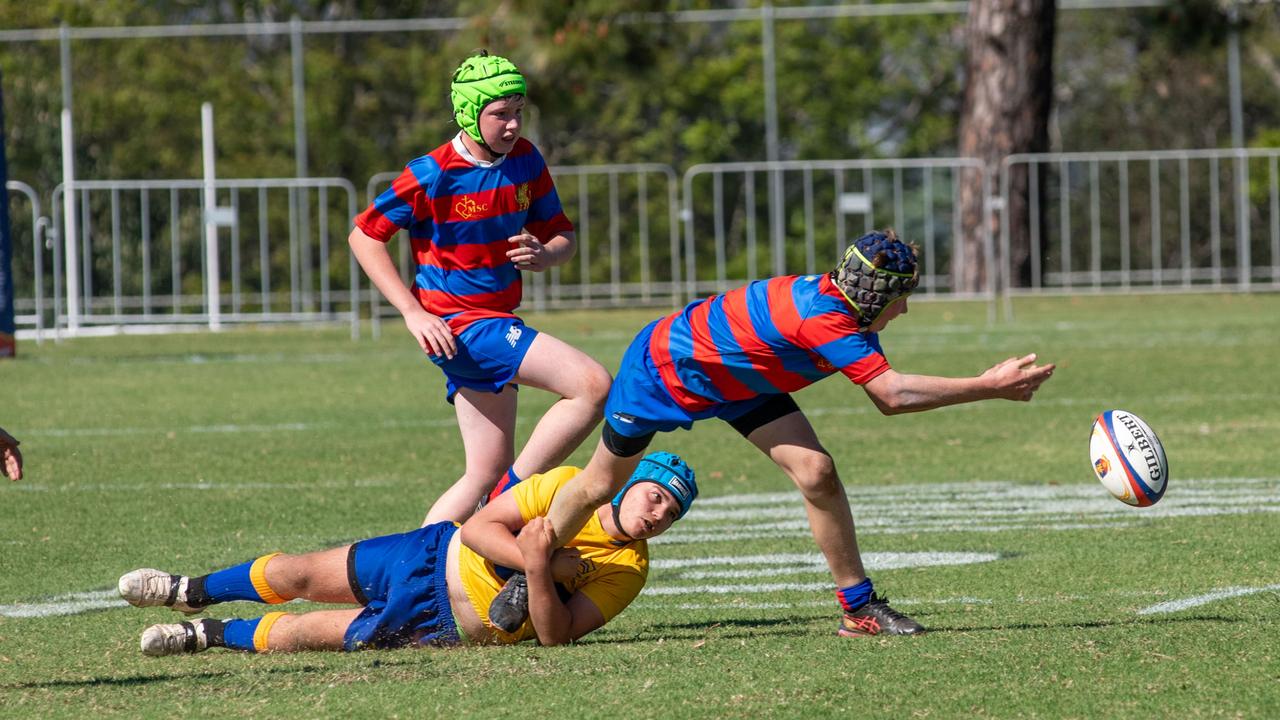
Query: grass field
[1045, 597]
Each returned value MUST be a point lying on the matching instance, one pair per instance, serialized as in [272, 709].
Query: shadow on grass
[799, 626]
[374, 665]
[781, 626]
[130, 681]
[1090, 625]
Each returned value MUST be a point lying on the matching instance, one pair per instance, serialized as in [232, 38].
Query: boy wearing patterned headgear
[738, 355]
[480, 210]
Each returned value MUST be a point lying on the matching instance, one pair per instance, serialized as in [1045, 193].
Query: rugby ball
[1128, 458]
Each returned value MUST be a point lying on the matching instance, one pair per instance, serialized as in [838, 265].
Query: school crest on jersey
[468, 208]
[522, 196]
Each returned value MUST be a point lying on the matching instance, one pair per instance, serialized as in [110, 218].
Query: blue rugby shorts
[639, 403]
[490, 351]
[402, 581]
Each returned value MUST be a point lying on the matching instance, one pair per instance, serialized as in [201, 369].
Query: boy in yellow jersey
[433, 586]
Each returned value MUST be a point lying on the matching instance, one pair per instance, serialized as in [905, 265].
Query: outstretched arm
[1012, 379]
[10, 457]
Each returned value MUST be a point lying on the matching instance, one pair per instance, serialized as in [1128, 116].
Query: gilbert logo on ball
[1128, 458]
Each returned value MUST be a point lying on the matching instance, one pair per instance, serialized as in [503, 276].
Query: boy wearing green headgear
[479, 210]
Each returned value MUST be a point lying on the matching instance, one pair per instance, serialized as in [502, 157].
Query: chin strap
[617, 523]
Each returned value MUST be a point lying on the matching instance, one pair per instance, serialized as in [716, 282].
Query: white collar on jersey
[461, 147]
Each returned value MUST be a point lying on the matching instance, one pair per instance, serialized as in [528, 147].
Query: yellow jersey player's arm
[554, 622]
[491, 533]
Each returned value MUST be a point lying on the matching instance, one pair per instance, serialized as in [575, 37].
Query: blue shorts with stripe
[489, 354]
[639, 403]
[402, 580]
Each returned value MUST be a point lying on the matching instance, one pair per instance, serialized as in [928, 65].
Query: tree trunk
[1008, 91]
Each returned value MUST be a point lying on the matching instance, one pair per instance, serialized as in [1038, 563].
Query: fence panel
[141, 252]
[745, 221]
[1147, 221]
[35, 265]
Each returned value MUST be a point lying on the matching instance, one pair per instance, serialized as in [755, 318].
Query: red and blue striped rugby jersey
[771, 336]
[459, 216]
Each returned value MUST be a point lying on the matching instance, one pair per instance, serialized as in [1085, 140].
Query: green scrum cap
[478, 81]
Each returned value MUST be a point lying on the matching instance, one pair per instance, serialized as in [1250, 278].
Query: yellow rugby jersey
[610, 574]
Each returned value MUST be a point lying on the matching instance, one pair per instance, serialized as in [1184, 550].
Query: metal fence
[141, 249]
[1165, 221]
[744, 221]
[28, 230]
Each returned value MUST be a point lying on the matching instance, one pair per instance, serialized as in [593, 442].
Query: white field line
[873, 560]
[983, 489]
[1216, 595]
[986, 506]
[723, 536]
[738, 603]
[745, 574]
[990, 508]
[745, 605]
[735, 589]
[735, 560]
[69, 604]
[810, 563]
[232, 428]
[947, 514]
[207, 359]
[203, 485]
[794, 564]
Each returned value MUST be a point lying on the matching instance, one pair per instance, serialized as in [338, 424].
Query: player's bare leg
[792, 444]
[281, 632]
[319, 630]
[319, 576]
[596, 485]
[487, 422]
[582, 384]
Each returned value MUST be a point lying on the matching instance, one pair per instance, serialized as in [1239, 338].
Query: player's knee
[482, 476]
[814, 474]
[287, 575]
[594, 384]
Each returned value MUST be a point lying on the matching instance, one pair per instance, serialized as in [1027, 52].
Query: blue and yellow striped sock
[249, 635]
[246, 581]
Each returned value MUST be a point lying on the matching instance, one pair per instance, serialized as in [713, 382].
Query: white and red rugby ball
[1128, 458]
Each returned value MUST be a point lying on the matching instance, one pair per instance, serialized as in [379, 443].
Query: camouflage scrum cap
[478, 81]
[877, 270]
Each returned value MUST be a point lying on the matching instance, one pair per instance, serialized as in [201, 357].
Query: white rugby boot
[148, 588]
[174, 639]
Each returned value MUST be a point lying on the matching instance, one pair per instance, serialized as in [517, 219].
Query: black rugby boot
[877, 618]
[510, 608]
